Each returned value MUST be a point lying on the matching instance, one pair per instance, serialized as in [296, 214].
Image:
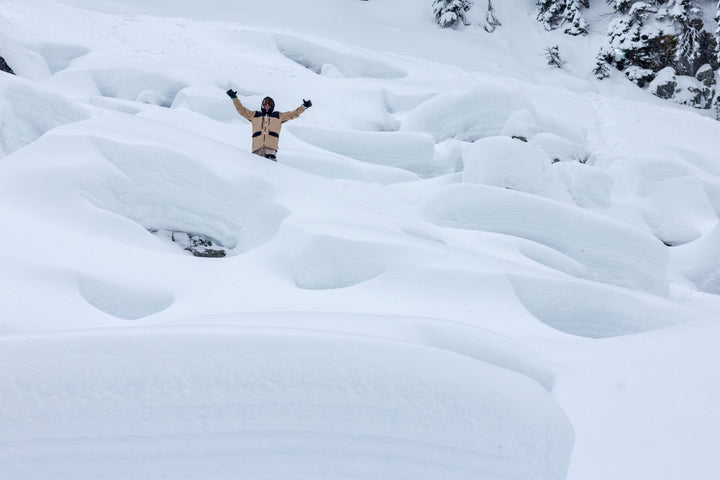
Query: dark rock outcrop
[5, 67]
[198, 245]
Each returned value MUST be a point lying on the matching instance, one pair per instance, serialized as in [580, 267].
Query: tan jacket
[266, 127]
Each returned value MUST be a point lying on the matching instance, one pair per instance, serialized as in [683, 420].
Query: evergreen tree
[622, 6]
[694, 47]
[647, 37]
[555, 13]
[449, 12]
[490, 18]
[551, 13]
[635, 49]
[717, 33]
[576, 23]
[552, 54]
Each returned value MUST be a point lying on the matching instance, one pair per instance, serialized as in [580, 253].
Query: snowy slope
[408, 293]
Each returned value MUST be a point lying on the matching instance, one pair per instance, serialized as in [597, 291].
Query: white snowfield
[464, 265]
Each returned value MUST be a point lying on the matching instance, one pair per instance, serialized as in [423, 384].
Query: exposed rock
[697, 92]
[198, 245]
[664, 84]
[5, 67]
[706, 75]
[665, 90]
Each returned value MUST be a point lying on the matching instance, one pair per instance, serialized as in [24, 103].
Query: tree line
[671, 47]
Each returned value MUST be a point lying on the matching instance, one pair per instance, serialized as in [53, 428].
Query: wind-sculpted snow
[346, 406]
[455, 269]
[455, 337]
[479, 113]
[558, 148]
[712, 190]
[596, 310]
[508, 163]
[58, 56]
[123, 301]
[699, 261]
[27, 112]
[332, 165]
[327, 61]
[164, 189]
[325, 262]
[124, 83]
[400, 101]
[210, 102]
[612, 252]
[673, 201]
[531, 168]
[410, 151]
[143, 86]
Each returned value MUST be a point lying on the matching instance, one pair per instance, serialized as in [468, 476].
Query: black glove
[307, 103]
[232, 93]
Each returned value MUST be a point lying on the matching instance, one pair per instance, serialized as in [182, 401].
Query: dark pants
[267, 153]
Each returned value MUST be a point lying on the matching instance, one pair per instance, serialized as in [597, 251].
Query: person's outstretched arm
[285, 116]
[245, 112]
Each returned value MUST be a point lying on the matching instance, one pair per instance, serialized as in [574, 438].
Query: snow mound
[550, 258]
[409, 151]
[673, 200]
[210, 402]
[612, 252]
[533, 168]
[59, 56]
[124, 83]
[127, 302]
[699, 261]
[164, 189]
[559, 148]
[27, 112]
[208, 101]
[470, 116]
[399, 102]
[140, 85]
[326, 164]
[509, 163]
[322, 59]
[325, 262]
[596, 310]
[589, 187]
[460, 338]
[712, 189]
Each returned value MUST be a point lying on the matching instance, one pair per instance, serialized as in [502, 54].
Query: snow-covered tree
[576, 24]
[491, 19]
[450, 12]
[552, 54]
[637, 49]
[555, 13]
[694, 46]
[664, 42]
[622, 6]
[717, 32]
[551, 13]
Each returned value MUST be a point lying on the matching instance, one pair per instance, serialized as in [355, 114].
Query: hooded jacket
[266, 125]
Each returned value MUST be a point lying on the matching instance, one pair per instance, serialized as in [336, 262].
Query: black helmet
[268, 105]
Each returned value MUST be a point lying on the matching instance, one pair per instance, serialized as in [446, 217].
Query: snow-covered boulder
[479, 113]
[612, 252]
[513, 164]
[697, 91]
[28, 111]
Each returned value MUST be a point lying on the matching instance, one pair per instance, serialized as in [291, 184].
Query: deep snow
[408, 293]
